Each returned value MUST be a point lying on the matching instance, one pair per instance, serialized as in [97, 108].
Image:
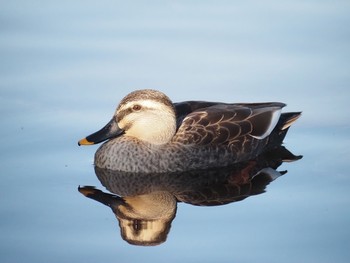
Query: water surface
[64, 67]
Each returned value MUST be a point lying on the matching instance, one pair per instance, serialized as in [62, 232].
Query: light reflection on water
[65, 66]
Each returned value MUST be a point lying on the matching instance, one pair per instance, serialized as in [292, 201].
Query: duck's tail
[287, 119]
[281, 129]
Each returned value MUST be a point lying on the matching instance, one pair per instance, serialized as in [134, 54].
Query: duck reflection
[146, 204]
[143, 219]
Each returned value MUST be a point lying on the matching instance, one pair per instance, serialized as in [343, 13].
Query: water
[64, 67]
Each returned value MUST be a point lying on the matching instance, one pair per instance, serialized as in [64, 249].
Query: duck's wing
[184, 108]
[204, 123]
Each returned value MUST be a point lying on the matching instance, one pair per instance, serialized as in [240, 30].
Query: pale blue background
[66, 64]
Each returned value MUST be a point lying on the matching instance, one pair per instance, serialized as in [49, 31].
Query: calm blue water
[64, 67]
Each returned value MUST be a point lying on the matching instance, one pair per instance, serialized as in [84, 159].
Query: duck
[148, 133]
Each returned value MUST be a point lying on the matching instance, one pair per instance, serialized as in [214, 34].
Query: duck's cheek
[136, 131]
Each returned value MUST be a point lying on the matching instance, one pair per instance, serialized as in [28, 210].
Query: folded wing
[204, 123]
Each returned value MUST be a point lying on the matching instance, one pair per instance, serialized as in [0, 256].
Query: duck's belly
[131, 155]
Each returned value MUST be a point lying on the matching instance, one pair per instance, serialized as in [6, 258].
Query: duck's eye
[136, 107]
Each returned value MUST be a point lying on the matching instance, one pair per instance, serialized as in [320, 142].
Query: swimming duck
[150, 134]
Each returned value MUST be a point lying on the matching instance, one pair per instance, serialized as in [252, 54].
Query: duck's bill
[109, 131]
[104, 198]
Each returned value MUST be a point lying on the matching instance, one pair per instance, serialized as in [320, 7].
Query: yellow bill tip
[84, 142]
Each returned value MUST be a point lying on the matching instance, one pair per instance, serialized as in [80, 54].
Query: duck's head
[147, 115]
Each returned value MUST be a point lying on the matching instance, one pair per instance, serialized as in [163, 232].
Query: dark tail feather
[287, 119]
[281, 129]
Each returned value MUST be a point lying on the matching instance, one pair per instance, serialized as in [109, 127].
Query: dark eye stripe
[123, 113]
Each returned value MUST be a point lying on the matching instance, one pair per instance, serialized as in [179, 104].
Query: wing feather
[225, 124]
